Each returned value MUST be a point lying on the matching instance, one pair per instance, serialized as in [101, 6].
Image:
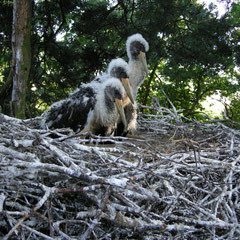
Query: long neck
[137, 75]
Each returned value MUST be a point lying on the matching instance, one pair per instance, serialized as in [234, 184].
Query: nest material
[172, 181]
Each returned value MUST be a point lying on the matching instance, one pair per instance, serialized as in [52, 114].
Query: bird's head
[119, 69]
[137, 47]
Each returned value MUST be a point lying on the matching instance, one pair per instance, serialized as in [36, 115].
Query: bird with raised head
[137, 47]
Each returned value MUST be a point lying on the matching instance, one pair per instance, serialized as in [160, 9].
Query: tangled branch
[171, 180]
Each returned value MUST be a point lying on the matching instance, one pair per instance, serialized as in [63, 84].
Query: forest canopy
[194, 53]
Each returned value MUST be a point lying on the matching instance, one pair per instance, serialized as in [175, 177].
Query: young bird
[137, 47]
[93, 107]
[120, 69]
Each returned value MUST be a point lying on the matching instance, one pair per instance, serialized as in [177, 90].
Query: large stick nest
[172, 180]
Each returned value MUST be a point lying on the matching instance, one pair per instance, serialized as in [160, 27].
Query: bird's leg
[110, 130]
[86, 133]
[86, 129]
[70, 114]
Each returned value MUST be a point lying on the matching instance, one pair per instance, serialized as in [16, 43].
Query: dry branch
[172, 180]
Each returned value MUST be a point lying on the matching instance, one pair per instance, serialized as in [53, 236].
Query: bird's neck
[137, 75]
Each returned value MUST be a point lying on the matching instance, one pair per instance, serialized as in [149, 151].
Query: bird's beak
[126, 85]
[142, 57]
[120, 109]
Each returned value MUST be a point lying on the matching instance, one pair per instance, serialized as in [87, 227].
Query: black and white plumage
[137, 47]
[93, 107]
[120, 69]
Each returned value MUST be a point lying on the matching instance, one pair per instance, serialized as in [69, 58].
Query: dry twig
[173, 181]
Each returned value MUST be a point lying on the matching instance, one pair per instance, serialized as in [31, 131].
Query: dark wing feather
[73, 111]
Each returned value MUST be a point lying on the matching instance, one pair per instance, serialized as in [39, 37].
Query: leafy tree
[198, 50]
[193, 52]
[5, 53]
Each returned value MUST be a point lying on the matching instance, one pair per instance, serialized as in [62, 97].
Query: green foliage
[193, 53]
[234, 15]
[5, 39]
[233, 110]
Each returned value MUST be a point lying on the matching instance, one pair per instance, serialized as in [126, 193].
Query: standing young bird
[118, 67]
[137, 47]
[93, 107]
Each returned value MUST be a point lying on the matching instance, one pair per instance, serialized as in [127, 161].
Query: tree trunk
[21, 50]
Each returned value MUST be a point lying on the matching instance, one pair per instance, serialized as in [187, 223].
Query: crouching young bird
[93, 107]
[119, 69]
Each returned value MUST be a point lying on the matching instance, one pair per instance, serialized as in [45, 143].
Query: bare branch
[172, 178]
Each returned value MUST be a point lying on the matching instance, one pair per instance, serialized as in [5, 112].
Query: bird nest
[171, 180]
